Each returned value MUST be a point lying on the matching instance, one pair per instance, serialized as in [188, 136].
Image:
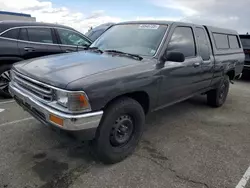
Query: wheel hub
[122, 130]
[4, 81]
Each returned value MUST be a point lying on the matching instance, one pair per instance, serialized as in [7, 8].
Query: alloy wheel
[4, 81]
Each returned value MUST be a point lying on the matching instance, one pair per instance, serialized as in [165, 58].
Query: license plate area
[30, 109]
[19, 101]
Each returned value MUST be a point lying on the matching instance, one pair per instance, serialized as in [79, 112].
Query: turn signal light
[56, 120]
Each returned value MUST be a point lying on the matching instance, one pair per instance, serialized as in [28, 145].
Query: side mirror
[173, 56]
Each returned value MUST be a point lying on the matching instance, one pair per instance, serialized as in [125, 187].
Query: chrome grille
[34, 87]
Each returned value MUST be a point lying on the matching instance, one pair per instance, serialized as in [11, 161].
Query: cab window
[182, 41]
[203, 44]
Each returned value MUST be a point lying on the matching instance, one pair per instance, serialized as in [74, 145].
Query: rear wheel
[217, 97]
[120, 130]
[5, 80]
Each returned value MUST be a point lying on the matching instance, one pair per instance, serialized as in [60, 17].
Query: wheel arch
[142, 97]
[231, 74]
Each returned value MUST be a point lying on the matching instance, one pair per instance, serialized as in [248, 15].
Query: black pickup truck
[103, 94]
[245, 40]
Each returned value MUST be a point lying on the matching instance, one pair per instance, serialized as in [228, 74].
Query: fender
[229, 67]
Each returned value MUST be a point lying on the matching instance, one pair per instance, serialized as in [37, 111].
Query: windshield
[245, 42]
[141, 39]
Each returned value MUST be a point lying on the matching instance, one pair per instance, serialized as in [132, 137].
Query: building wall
[14, 17]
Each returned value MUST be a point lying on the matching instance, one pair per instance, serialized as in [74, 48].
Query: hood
[59, 70]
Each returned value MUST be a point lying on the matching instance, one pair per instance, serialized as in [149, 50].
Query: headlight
[62, 98]
[73, 101]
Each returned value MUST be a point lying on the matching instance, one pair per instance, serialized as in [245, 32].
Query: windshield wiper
[96, 49]
[124, 53]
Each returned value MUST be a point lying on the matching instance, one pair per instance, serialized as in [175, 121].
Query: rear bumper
[247, 66]
[86, 124]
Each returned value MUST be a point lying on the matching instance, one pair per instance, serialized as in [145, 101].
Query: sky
[83, 14]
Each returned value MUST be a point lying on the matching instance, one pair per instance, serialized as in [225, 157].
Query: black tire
[104, 146]
[246, 75]
[217, 97]
[5, 91]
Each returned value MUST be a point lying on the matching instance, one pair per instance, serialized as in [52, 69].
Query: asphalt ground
[188, 145]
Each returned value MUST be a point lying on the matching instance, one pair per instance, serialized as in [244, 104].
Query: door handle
[197, 64]
[29, 49]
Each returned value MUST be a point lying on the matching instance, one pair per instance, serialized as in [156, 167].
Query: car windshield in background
[141, 39]
[245, 42]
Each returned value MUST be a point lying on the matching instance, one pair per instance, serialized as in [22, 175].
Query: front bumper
[87, 122]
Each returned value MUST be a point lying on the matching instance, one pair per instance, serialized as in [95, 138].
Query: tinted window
[72, 38]
[11, 34]
[182, 41]
[233, 41]
[42, 35]
[203, 43]
[245, 42]
[221, 41]
[94, 35]
[23, 34]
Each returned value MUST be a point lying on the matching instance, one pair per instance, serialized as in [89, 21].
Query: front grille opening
[44, 97]
[36, 84]
[36, 89]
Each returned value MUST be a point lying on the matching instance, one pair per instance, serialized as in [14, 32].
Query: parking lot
[188, 145]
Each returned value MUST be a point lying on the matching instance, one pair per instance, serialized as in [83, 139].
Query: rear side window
[182, 41]
[221, 41]
[23, 34]
[203, 44]
[233, 41]
[95, 34]
[11, 34]
[42, 35]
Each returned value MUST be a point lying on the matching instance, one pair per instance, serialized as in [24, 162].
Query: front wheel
[120, 130]
[217, 97]
[5, 80]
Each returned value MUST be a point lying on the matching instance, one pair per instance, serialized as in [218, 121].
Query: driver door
[71, 41]
[181, 80]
